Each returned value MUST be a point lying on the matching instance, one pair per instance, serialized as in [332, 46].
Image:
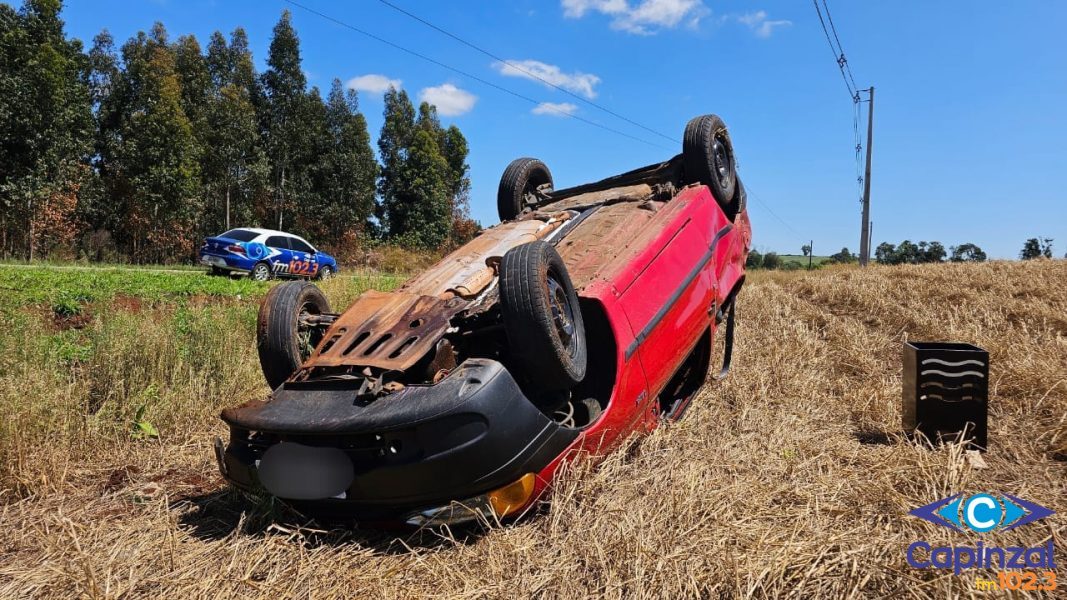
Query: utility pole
[811, 250]
[870, 239]
[865, 231]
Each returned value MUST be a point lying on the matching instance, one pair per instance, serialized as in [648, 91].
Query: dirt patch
[64, 322]
[131, 304]
[118, 478]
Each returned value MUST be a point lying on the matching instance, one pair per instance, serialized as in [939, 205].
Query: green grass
[69, 291]
[84, 264]
[104, 360]
[803, 260]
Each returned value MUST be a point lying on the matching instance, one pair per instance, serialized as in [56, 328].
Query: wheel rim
[260, 272]
[529, 195]
[531, 192]
[721, 161]
[307, 336]
[562, 315]
[327, 272]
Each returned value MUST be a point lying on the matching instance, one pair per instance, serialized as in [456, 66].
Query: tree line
[141, 151]
[905, 253]
[910, 253]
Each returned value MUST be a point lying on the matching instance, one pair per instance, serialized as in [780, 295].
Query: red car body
[660, 304]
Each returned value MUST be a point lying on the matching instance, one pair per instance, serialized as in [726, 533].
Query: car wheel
[542, 320]
[519, 185]
[283, 336]
[326, 272]
[708, 156]
[260, 272]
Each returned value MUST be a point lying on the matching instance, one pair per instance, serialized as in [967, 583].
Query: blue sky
[970, 125]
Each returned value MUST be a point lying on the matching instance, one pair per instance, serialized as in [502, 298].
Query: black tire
[546, 335]
[217, 272]
[260, 272]
[518, 184]
[708, 155]
[586, 411]
[325, 272]
[282, 342]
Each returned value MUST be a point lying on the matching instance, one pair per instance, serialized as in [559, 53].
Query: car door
[281, 256]
[669, 302]
[304, 263]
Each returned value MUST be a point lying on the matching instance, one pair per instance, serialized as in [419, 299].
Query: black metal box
[946, 391]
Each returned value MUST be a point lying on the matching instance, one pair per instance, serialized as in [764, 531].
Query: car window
[278, 241]
[300, 245]
[241, 235]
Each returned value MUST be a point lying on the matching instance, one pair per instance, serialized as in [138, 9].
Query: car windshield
[241, 235]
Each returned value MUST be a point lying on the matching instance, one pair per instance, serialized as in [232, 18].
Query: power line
[840, 48]
[525, 71]
[749, 189]
[850, 82]
[473, 77]
[838, 52]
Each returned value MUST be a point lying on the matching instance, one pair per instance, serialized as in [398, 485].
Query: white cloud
[449, 99]
[535, 70]
[646, 17]
[373, 83]
[760, 24]
[556, 109]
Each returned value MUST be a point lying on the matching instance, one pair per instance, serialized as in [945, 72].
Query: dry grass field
[789, 479]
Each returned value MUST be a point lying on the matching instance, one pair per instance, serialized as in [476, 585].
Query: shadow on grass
[875, 438]
[226, 512]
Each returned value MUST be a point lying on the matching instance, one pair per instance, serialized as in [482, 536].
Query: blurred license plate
[298, 472]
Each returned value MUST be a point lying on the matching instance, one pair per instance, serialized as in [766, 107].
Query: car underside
[586, 316]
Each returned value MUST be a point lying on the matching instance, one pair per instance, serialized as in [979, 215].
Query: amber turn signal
[513, 496]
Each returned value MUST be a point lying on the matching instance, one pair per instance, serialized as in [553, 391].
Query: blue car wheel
[260, 272]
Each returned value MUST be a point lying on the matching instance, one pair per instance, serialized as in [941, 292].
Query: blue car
[264, 253]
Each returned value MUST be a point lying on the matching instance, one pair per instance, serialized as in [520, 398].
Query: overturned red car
[586, 315]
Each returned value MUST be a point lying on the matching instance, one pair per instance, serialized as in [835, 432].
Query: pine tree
[348, 170]
[45, 114]
[454, 148]
[424, 197]
[156, 163]
[305, 189]
[393, 143]
[96, 208]
[422, 212]
[195, 81]
[235, 166]
[284, 84]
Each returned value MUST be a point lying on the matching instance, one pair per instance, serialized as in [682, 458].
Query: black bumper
[421, 447]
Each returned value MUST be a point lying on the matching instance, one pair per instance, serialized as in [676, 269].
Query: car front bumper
[331, 454]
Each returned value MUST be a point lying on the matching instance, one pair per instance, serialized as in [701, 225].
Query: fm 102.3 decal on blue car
[263, 253]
